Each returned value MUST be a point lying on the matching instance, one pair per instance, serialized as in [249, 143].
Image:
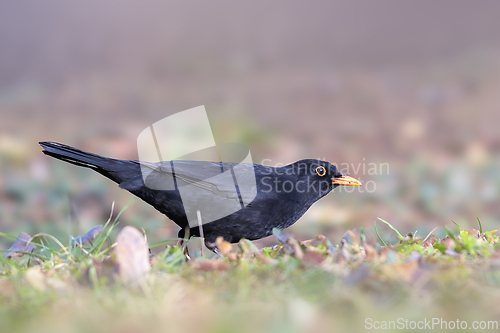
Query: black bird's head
[319, 177]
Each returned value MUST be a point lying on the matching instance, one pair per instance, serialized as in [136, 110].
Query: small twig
[430, 233]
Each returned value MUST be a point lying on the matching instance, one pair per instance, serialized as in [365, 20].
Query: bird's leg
[183, 236]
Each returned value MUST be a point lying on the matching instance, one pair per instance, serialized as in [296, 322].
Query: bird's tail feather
[114, 169]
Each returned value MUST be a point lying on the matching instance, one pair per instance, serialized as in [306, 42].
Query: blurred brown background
[413, 84]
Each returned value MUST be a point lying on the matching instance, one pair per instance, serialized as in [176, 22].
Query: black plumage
[278, 199]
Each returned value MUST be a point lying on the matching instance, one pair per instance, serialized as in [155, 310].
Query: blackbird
[277, 199]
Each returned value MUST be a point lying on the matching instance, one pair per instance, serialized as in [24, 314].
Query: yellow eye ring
[320, 171]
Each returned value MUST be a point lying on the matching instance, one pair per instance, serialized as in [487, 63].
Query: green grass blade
[166, 241]
[105, 232]
[480, 226]
[390, 225]
[48, 236]
[376, 231]
[8, 236]
[449, 233]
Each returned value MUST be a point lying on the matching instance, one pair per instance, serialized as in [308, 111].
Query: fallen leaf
[321, 239]
[20, 245]
[474, 232]
[329, 246]
[132, 255]
[350, 238]
[223, 246]
[450, 246]
[89, 236]
[297, 250]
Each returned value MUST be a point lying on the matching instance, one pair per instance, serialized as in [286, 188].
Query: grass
[295, 286]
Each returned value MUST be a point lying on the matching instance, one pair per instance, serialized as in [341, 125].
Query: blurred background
[412, 85]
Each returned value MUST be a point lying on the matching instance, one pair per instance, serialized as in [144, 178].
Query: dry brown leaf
[297, 250]
[474, 232]
[132, 255]
[449, 243]
[223, 246]
[309, 242]
[354, 238]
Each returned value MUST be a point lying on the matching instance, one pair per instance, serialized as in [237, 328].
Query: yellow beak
[346, 180]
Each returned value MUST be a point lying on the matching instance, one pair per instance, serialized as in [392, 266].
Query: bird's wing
[212, 177]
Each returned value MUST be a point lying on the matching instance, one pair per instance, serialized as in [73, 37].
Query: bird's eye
[320, 171]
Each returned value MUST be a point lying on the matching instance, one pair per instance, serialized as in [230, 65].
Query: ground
[309, 286]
